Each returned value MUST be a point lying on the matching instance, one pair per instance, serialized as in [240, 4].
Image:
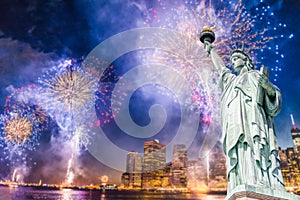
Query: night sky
[37, 36]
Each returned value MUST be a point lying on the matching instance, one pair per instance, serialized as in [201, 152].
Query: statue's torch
[207, 34]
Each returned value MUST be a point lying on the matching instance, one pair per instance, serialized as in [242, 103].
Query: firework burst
[255, 27]
[69, 94]
[18, 130]
[26, 100]
[21, 124]
[20, 134]
[71, 88]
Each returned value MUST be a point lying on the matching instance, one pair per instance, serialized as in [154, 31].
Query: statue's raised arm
[207, 37]
[216, 59]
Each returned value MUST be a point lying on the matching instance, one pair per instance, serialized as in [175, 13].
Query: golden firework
[18, 130]
[72, 88]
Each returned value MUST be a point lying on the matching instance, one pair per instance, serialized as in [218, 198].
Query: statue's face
[238, 61]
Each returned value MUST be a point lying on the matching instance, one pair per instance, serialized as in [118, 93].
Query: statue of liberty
[249, 102]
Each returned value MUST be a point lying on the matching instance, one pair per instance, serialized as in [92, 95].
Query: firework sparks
[71, 88]
[106, 85]
[68, 95]
[235, 25]
[18, 130]
[20, 133]
[13, 179]
[22, 122]
[185, 57]
[70, 173]
[82, 136]
[26, 100]
[104, 106]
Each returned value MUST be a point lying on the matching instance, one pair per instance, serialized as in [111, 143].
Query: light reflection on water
[23, 193]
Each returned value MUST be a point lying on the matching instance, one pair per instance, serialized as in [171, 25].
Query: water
[28, 193]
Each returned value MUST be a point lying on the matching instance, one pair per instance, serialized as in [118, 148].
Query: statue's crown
[241, 51]
[236, 51]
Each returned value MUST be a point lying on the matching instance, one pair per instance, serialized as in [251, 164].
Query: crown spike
[242, 49]
[234, 46]
[230, 50]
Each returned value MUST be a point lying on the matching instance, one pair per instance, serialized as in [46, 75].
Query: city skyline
[202, 174]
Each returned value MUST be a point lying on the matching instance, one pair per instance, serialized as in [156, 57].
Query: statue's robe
[249, 140]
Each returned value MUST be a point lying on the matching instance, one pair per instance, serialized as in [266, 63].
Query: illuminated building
[197, 175]
[290, 167]
[179, 166]
[295, 136]
[284, 165]
[167, 179]
[217, 170]
[134, 168]
[154, 155]
[125, 179]
[282, 156]
[208, 172]
[154, 164]
[217, 163]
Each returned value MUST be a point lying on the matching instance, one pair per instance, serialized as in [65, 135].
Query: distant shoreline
[146, 191]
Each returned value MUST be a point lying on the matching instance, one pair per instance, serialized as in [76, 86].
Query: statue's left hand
[264, 82]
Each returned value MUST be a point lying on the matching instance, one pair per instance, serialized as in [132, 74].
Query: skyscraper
[197, 174]
[154, 163]
[154, 155]
[295, 136]
[179, 166]
[290, 167]
[134, 162]
[134, 169]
